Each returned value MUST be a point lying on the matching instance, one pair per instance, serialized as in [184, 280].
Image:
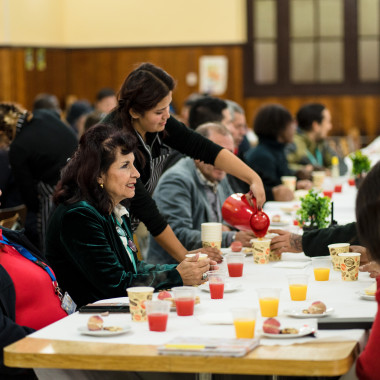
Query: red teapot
[238, 212]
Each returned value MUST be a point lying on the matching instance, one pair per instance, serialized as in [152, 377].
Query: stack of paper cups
[211, 235]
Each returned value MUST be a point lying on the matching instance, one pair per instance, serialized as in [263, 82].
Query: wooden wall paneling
[19, 85]
[82, 72]
[51, 80]
[5, 74]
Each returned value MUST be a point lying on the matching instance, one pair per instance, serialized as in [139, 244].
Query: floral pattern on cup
[349, 265]
[335, 249]
[137, 301]
[272, 255]
[212, 244]
[261, 249]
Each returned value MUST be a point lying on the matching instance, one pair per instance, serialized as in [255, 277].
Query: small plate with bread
[368, 293]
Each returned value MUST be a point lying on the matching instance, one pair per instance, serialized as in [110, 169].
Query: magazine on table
[193, 346]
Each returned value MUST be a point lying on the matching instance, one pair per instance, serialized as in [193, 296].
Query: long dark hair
[368, 212]
[141, 91]
[96, 152]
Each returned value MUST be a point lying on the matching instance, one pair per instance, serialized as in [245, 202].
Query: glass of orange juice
[321, 267]
[269, 299]
[244, 321]
[298, 286]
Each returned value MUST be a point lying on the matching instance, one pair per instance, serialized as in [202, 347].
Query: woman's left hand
[193, 271]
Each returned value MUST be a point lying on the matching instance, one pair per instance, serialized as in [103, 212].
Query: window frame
[351, 84]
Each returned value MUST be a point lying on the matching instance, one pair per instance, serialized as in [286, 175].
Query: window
[300, 47]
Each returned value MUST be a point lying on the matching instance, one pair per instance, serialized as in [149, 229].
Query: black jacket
[315, 242]
[269, 161]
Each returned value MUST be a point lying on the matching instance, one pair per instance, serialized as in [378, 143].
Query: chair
[12, 223]
[13, 217]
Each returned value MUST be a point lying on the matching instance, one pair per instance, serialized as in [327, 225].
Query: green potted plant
[361, 164]
[314, 211]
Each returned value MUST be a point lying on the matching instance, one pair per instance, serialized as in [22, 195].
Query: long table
[332, 353]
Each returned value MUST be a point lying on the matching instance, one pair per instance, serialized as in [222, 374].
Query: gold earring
[101, 185]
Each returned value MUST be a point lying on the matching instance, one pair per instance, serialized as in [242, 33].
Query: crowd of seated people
[103, 187]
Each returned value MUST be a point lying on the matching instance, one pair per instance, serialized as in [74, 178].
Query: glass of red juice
[216, 284]
[158, 313]
[235, 263]
[184, 297]
[328, 193]
[338, 188]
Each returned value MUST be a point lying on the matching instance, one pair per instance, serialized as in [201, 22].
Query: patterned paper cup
[318, 179]
[335, 249]
[261, 248]
[211, 234]
[349, 265]
[289, 182]
[272, 256]
[137, 298]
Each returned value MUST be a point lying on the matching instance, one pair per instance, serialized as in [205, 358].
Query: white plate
[298, 313]
[226, 251]
[85, 331]
[302, 332]
[280, 224]
[289, 209]
[362, 294]
[228, 287]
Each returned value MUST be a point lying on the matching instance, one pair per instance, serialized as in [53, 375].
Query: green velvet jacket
[90, 260]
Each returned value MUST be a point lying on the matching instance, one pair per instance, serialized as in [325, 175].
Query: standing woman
[143, 110]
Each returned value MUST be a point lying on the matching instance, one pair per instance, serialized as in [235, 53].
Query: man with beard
[310, 149]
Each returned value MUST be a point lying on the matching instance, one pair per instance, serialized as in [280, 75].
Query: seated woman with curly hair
[89, 239]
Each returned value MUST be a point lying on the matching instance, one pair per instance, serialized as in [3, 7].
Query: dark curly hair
[95, 154]
[10, 114]
[271, 120]
[141, 91]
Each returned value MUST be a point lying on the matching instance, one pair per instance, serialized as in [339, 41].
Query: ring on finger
[204, 276]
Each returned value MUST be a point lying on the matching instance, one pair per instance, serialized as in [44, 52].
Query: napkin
[215, 319]
[291, 264]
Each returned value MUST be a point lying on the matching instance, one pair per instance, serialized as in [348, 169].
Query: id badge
[68, 304]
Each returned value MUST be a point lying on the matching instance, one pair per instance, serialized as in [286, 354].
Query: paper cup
[289, 182]
[272, 256]
[200, 257]
[261, 248]
[318, 179]
[137, 298]
[335, 249]
[349, 265]
[211, 235]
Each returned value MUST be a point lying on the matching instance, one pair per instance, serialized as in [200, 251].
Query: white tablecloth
[342, 296]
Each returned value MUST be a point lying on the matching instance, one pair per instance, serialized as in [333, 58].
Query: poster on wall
[213, 72]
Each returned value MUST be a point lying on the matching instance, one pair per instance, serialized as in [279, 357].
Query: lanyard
[318, 159]
[128, 244]
[25, 253]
